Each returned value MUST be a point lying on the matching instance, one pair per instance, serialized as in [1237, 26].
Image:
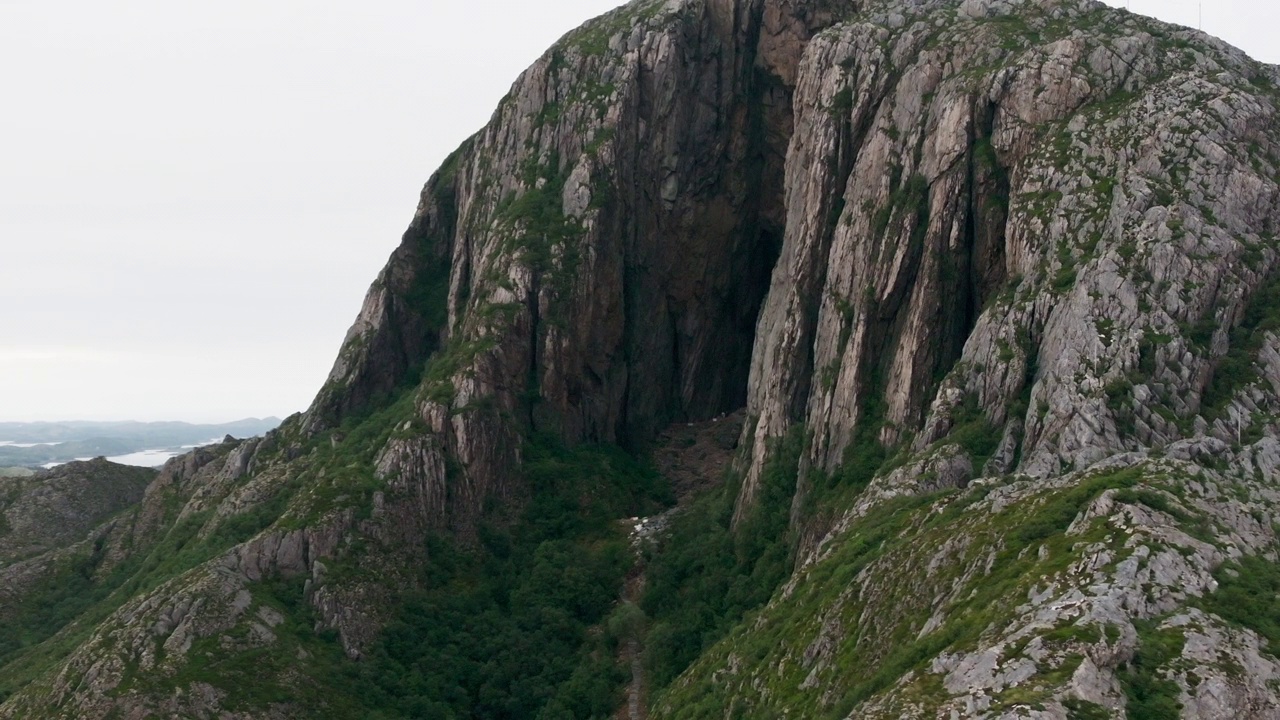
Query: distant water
[9, 443]
[147, 458]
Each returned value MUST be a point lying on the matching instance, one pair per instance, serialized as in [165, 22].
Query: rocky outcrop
[1023, 597]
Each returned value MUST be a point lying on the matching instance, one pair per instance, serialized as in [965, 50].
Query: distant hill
[48, 442]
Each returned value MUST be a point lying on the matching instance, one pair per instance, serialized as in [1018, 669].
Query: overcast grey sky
[195, 196]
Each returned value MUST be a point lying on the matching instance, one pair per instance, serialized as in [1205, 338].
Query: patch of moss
[1085, 710]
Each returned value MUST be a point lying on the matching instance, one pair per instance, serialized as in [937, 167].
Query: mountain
[54, 532]
[820, 358]
[54, 508]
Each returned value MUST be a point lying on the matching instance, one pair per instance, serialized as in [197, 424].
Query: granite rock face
[1055, 210]
[604, 244]
[1007, 266]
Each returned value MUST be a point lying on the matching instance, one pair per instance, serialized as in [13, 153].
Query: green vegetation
[1012, 569]
[429, 294]
[338, 475]
[60, 612]
[1057, 514]
[503, 634]
[863, 459]
[912, 197]
[1236, 370]
[900, 539]
[1150, 695]
[792, 621]
[842, 103]
[1085, 710]
[53, 603]
[437, 377]
[1153, 499]
[1249, 596]
[1200, 333]
[708, 576]
[1065, 279]
[592, 39]
[243, 670]
[505, 629]
[542, 234]
[973, 432]
[1119, 392]
[517, 624]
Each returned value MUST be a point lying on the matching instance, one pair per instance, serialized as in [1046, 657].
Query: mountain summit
[758, 359]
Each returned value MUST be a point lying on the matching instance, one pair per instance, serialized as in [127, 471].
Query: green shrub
[708, 575]
[1085, 710]
[1249, 595]
[1150, 695]
[1055, 516]
[973, 432]
[1236, 369]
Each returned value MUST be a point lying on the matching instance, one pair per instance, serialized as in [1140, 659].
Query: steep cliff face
[594, 261]
[1023, 240]
[995, 282]
[1052, 210]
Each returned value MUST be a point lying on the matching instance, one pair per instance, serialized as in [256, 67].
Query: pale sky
[194, 197]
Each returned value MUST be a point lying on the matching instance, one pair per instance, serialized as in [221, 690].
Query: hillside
[54, 527]
[990, 288]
